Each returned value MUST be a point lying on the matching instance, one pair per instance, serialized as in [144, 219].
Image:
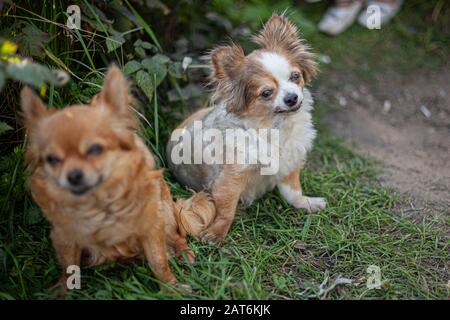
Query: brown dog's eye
[267, 93]
[295, 76]
[52, 159]
[94, 150]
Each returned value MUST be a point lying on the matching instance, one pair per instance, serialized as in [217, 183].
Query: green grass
[273, 251]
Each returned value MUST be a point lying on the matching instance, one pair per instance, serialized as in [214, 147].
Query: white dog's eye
[295, 76]
[267, 93]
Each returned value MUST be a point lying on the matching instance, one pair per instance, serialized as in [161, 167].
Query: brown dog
[96, 183]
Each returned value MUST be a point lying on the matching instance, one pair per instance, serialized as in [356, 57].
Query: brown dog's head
[80, 146]
[269, 80]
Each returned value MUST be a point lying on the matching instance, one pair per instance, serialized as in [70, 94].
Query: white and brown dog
[264, 89]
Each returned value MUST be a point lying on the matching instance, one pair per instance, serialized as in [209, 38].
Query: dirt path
[405, 122]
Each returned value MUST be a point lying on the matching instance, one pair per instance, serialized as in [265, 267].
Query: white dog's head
[269, 81]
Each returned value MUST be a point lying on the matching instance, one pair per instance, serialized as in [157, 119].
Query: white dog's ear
[227, 71]
[33, 108]
[279, 34]
[227, 62]
[115, 92]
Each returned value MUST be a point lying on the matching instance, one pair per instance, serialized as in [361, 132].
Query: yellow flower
[8, 48]
[43, 90]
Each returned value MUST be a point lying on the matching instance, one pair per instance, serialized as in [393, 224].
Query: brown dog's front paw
[186, 255]
[190, 255]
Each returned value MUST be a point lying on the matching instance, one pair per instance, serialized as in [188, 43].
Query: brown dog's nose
[75, 177]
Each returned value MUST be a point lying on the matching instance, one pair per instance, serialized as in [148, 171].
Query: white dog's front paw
[310, 204]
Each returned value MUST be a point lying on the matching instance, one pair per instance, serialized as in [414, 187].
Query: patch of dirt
[405, 123]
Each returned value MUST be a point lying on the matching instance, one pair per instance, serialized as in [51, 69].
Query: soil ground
[404, 121]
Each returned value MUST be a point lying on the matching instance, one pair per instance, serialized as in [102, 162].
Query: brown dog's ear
[115, 97]
[227, 62]
[280, 34]
[33, 107]
[115, 93]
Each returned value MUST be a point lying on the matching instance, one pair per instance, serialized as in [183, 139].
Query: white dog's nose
[290, 99]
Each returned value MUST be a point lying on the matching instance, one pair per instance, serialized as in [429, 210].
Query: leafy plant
[13, 66]
[149, 72]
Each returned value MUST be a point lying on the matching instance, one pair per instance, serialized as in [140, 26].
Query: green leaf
[144, 44]
[145, 83]
[160, 58]
[30, 73]
[131, 67]
[140, 52]
[4, 127]
[32, 41]
[147, 45]
[114, 41]
[175, 70]
[155, 67]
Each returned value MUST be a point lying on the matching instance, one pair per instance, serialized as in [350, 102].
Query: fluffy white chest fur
[296, 136]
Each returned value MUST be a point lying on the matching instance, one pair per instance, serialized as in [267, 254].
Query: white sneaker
[387, 11]
[337, 19]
